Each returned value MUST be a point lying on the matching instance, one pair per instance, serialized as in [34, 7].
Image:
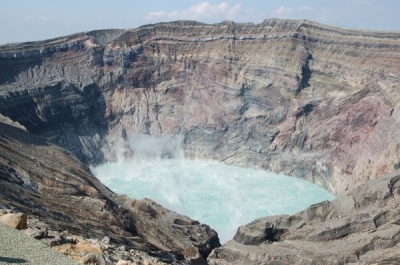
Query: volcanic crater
[295, 97]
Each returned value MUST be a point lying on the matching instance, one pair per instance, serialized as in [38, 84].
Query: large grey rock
[359, 226]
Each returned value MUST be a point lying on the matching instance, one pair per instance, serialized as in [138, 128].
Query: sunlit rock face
[295, 97]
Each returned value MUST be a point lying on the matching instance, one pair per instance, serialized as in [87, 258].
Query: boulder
[193, 256]
[17, 221]
[92, 258]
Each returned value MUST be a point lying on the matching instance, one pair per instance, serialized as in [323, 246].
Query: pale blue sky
[29, 20]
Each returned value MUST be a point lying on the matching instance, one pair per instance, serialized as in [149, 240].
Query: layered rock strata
[295, 97]
[361, 227]
[50, 184]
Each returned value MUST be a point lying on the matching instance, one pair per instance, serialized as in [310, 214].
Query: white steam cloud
[213, 193]
[169, 146]
[143, 146]
[221, 196]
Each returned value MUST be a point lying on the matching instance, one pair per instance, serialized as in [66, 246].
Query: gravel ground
[18, 248]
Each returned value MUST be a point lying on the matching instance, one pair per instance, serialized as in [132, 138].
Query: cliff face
[295, 97]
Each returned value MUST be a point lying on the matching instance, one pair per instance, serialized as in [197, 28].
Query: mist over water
[213, 193]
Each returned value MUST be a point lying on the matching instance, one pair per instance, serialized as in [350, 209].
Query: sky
[32, 20]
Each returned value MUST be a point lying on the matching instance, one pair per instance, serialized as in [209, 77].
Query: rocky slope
[64, 201]
[294, 97]
[361, 227]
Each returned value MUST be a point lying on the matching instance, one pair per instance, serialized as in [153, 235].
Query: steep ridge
[295, 97]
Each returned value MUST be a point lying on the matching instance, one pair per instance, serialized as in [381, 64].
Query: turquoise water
[213, 193]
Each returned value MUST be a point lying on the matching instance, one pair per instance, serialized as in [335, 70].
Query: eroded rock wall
[295, 97]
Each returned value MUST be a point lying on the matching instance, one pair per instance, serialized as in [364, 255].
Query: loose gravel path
[18, 248]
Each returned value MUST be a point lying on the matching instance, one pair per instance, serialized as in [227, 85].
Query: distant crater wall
[294, 97]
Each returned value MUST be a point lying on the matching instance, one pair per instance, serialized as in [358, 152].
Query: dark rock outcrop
[47, 182]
